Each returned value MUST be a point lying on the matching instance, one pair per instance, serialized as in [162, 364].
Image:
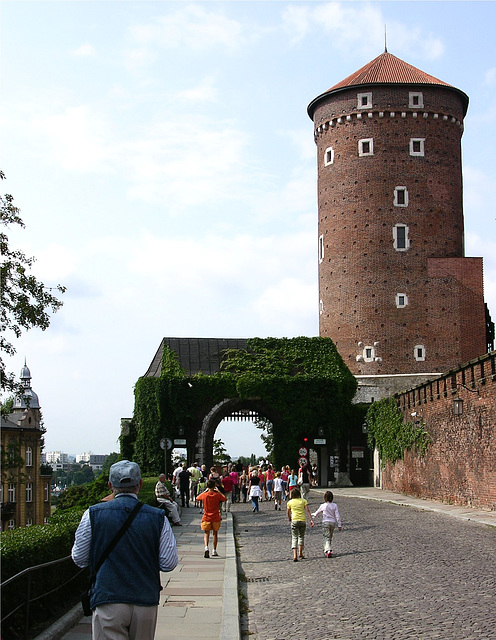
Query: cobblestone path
[397, 573]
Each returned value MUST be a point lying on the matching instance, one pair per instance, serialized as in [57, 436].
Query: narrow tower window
[401, 300]
[419, 352]
[366, 147]
[321, 307]
[29, 457]
[364, 100]
[368, 354]
[400, 197]
[29, 492]
[415, 100]
[321, 248]
[417, 146]
[328, 156]
[400, 237]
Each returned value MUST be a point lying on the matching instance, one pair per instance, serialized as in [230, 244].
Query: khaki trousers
[124, 622]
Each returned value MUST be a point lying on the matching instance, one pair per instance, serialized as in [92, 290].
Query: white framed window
[321, 307]
[364, 100]
[12, 492]
[29, 457]
[417, 146]
[45, 520]
[419, 352]
[401, 300]
[328, 156]
[11, 525]
[368, 354]
[29, 522]
[29, 492]
[321, 248]
[400, 197]
[416, 99]
[47, 490]
[366, 147]
[400, 237]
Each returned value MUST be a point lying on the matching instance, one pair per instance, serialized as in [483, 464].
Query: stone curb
[230, 615]
[58, 629]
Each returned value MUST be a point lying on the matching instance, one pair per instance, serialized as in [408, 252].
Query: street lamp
[457, 406]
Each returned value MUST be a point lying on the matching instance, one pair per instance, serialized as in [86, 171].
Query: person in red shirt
[227, 483]
[211, 519]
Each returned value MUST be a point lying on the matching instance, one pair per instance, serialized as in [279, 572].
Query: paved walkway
[397, 572]
[200, 597]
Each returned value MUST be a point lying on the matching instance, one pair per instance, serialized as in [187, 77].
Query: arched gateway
[300, 385]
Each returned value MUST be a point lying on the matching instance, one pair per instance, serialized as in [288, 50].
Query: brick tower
[397, 295]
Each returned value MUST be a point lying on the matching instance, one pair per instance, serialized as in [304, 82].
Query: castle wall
[460, 464]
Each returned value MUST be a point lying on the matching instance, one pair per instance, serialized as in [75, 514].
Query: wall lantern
[458, 406]
[365, 427]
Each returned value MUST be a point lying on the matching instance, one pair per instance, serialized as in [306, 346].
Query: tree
[220, 453]
[25, 301]
[109, 461]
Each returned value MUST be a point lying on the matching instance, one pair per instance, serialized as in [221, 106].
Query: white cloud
[358, 28]
[75, 138]
[85, 51]
[203, 92]
[192, 27]
[490, 77]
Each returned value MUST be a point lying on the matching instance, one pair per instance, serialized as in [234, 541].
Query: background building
[25, 487]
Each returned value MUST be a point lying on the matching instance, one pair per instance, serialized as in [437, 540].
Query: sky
[164, 164]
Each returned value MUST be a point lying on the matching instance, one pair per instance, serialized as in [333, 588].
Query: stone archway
[222, 410]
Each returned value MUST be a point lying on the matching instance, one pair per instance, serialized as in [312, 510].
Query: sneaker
[214, 553]
[328, 554]
[275, 506]
[206, 554]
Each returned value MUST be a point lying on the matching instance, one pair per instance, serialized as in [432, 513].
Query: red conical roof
[387, 69]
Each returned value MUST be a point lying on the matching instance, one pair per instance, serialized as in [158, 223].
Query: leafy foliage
[31, 546]
[83, 496]
[391, 435]
[302, 382]
[25, 301]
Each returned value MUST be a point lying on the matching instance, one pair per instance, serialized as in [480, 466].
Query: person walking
[126, 590]
[277, 491]
[228, 491]
[255, 492]
[183, 478]
[330, 518]
[297, 511]
[292, 482]
[166, 502]
[211, 519]
[304, 480]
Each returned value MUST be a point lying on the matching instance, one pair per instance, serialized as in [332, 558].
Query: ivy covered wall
[303, 382]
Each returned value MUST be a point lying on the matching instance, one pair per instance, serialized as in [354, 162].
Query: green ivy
[303, 380]
[391, 435]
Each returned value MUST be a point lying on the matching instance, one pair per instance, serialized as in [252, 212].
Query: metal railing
[28, 599]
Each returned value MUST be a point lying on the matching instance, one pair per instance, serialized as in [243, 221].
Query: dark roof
[386, 69]
[195, 354]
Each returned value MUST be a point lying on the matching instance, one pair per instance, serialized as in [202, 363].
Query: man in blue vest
[126, 592]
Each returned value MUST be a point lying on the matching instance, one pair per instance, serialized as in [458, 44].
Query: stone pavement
[199, 598]
[427, 571]
[397, 573]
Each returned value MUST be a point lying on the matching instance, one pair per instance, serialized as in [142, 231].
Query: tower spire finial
[385, 39]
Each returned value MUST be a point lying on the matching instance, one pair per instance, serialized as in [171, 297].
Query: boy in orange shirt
[211, 519]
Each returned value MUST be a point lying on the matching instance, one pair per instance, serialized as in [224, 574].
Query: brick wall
[460, 465]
